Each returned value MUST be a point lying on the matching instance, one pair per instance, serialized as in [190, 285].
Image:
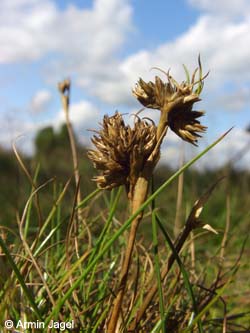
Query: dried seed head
[151, 95]
[122, 151]
[64, 86]
[175, 101]
[185, 124]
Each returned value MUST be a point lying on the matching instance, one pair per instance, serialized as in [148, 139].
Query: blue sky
[104, 46]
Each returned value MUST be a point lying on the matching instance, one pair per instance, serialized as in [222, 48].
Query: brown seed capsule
[64, 86]
[175, 101]
[185, 124]
[150, 95]
[121, 151]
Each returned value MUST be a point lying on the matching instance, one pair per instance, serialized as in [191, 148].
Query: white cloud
[81, 43]
[82, 115]
[40, 101]
[222, 43]
[235, 101]
[223, 7]
[24, 29]
[172, 150]
[87, 41]
[17, 131]
[233, 149]
[31, 29]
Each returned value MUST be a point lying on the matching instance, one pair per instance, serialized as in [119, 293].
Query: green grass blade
[187, 73]
[58, 219]
[46, 239]
[54, 209]
[159, 322]
[103, 286]
[100, 319]
[112, 210]
[102, 238]
[157, 326]
[88, 197]
[158, 271]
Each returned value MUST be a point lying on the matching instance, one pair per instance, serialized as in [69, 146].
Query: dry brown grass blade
[225, 235]
[192, 253]
[200, 203]
[33, 185]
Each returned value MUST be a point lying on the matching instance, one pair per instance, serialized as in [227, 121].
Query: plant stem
[178, 213]
[140, 194]
[65, 98]
[64, 88]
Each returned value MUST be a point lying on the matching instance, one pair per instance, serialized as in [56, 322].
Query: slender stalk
[177, 222]
[158, 271]
[225, 235]
[140, 194]
[64, 88]
[192, 253]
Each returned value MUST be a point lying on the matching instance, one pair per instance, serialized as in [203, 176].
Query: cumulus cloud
[223, 7]
[24, 29]
[221, 41]
[40, 101]
[17, 131]
[31, 29]
[82, 115]
[87, 41]
[223, 46]
[233, 149]
[235, 101]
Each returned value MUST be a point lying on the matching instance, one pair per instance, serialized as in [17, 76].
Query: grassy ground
[55, 267]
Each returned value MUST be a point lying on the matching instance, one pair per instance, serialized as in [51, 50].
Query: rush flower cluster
[123, 152]
[175, 101]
